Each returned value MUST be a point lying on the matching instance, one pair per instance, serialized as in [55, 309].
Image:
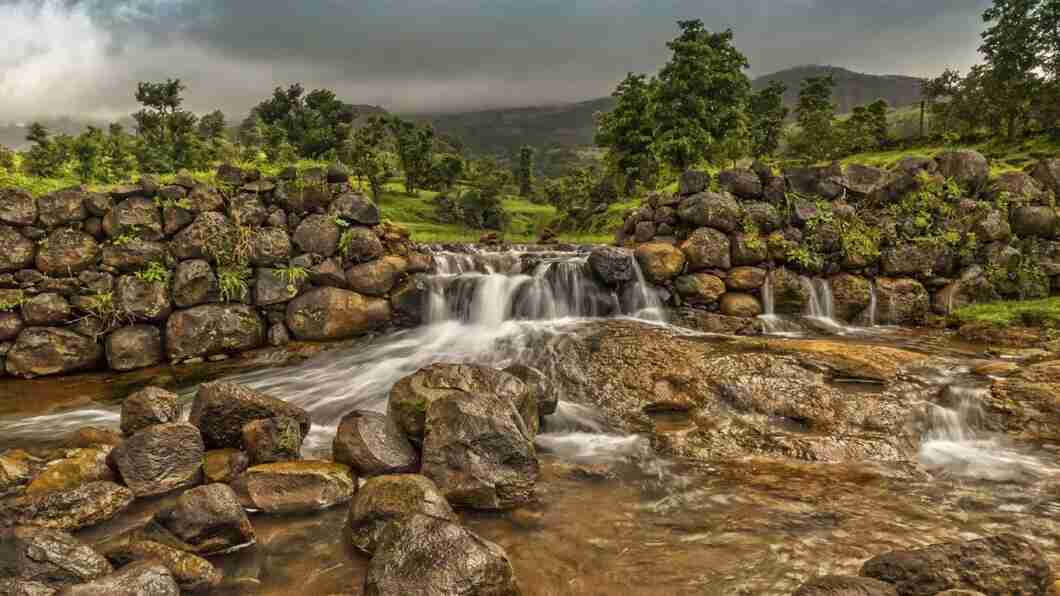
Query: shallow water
[612, 517]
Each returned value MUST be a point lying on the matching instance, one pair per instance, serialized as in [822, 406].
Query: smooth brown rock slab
[296, 486]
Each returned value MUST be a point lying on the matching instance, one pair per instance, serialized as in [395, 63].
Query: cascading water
[873, 304]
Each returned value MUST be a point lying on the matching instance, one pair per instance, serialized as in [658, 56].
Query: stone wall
[148, 273]
[929, 235]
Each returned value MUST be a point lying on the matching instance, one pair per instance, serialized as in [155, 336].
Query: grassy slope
[1044, 312]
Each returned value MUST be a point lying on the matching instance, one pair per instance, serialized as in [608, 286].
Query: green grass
[1003, 155]
[1016, 312]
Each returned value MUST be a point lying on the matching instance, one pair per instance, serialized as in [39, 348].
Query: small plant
[125, 238]
[860, 242]
[233, 283]
[342, 223]
[182, 203]
[294, 275]
[346, 242]
[156, 272]
[805, 258]
[11, 303]
[752, 238]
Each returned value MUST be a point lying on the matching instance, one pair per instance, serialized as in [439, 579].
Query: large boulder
[412, 395]
[73, 509]
[968, 168]
[901, 301]
[866, 182]
[478, 451]
[133, 255]
[1034, 221]
[16, 251]
[911, 258]
[208, 235]
[739, 304]
[972, 288]
[692, 182]
[137, 579]
[11, 325]
[246, 209]
[715, 210]
[1019, 188]
[75, 468]
[1046, 172]
[65, 252]
[191, 572]
[376, 278]
[360, 244]
[296, 486]
[355, 208]
[992, 226]
[148, 407]
[274, 286]
[46, 309]
[130, 348]
[745, 184]
[790, 294]
[612, 266]
[745, 278]
[160, 458]
[49, 556]
[142, 300]
[61, 207]
[194, 283]
[224, 465]
[541, 390]
[851, 296]
[409, 301]
[748, 249]
[270, 247]
[221, 410]
[393, 499]
[1002, 564]
[372, 444]
[318, 234]
[136, 216]
[213, 329]
[270, 440]
[427, 556]
[209, 520]
[17, 207]
[707, 248]
[839, 585]
[660, 262]
[699, 289]
[42, 351]
[333, 313]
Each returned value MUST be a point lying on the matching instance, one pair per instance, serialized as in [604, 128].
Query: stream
[613, 516]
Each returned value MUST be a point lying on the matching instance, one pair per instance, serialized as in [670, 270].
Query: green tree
[90, 152]
[856, 133]
[815, 114]
[877, 116]
[212, 125]
[445, 171]
[701, 97]
[365, 153]
[7, 159]
[524, 175]
[1012, 48]
[414, 145]
[168, 133]
[119, 149]
[627, 131]
[48, 155]
[768, 113]
[315, 123]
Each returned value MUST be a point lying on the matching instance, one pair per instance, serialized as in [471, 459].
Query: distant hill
[501, 132]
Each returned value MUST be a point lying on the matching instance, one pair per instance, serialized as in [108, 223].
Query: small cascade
[771, 323]
[873, 303]
[820, 307]
[952, 443]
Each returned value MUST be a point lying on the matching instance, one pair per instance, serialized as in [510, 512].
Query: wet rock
[1002, 564]
[194, 283]
[1024, 405]
[1034, 221]
[659, 261]
[738, 304]
[392, 499]
[541, 390]
[278, 335]
[272, 440]
[213, 329]
[361, 244]
[412, 395]
[296, 486]
[715, 210]
[40, 351]
[790, 295]
[51, 557]
[700, 289]
[969, 168]
[22, 587]
[333, 313]
[838, 585]
[161, 458]
[135, 216]
[745, 278]
[901, 301]
[45, 309]
[745, 184]
[16, 251]
[209, 519]
[612, 266]
[92, 437]
[138, 579]
[692, 182]
[644, 231]
[16, 470]
[355, 208]
[270, 247]
[431, 557]
[191, 572]
[224, 465]
[318, 234]
[478, 451]
[142, 300]
[148, 407]
[66, 251]
[711, 322]
[131, 348]
[707, 248]
[208, 234]
[84, 506]
[77, 467]
[974, 289]
[272, 286]
[851, 296]
[373, 445]
[17, 207]
[748, 249]
[221, 410]
[375, 278]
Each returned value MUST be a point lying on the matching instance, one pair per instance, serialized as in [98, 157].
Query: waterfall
[872, 303]
[771, 323]
[820, 306]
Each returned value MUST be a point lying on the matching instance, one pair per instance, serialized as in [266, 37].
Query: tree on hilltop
[767, 112]
[628, 131]
[815, 113]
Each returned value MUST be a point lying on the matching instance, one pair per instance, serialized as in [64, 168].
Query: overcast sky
[84, 57]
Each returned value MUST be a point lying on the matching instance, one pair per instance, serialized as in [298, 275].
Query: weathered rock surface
[66, 251]
[715, 210]
[901, 301]
[375, 278]
[739, 304]
[296, 486]
[270, 440]
[612, 266]
[16, 251]
[969, 168]
[318, 234]
[137, 579]
[46, 309]
[393, 499]
[540, 388]
[224, 465]
[130, 348]
[148, 407]
[42, 351]
[426, 556]
[76, 467]
[194, 283]
[17, 207]
[161, 458]
[49, 556]
[84, 506]
[333, 313]
[355, 208]
[209, 519]
[700, 289]
[838, 585]
[372, 445]
[221, 410]
[137, 216]
[707, 248]
[191, 572]
[213, 329]
[660, 261]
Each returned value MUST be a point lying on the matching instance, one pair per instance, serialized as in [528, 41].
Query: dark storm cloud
[432, 55]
